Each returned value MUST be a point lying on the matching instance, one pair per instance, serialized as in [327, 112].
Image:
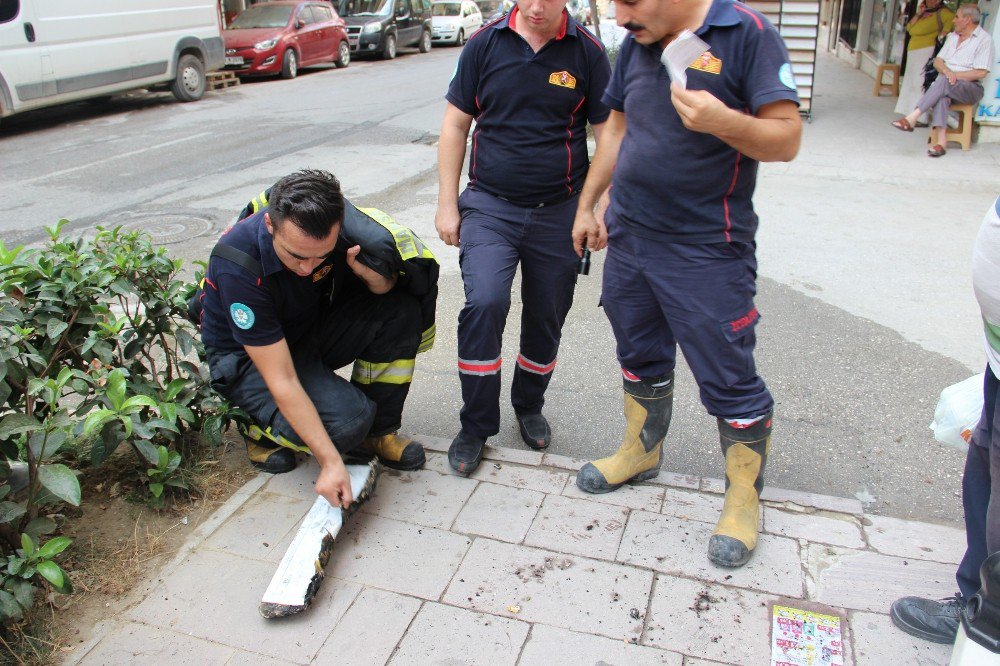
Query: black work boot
[746, 450]
[648, 406]
[535, 431]
[466, 452]
[935, 621]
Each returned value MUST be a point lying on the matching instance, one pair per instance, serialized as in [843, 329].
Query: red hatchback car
[281, 36]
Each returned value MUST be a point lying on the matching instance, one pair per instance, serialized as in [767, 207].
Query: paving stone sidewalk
[516, 566]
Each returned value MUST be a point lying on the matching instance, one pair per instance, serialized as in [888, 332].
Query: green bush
[95, 350]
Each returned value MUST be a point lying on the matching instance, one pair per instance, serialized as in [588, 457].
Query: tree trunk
[595, 21]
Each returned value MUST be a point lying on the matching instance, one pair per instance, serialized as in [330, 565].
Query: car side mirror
[401, 11]
[299, 24]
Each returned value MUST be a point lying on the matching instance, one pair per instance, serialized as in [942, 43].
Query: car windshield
[263, 16]
[364, 7]
[446, 9]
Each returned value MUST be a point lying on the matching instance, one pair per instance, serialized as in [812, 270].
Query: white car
[453, 21]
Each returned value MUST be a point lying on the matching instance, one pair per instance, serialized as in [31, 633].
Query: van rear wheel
[189, 83]
[425, 41]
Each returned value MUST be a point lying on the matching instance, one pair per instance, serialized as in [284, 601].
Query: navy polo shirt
[239, 309]
[531, 109]
[689, 187]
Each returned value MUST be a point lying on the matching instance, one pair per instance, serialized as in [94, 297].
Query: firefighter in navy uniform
[532, 80]
[681, 267]
[304, 284]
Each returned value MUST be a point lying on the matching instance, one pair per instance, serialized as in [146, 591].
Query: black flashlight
[584, 267]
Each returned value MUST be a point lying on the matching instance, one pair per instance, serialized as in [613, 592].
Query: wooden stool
[963, 134]
[892, 86]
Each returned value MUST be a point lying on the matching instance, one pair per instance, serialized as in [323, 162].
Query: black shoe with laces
[935, 621]
[466, 452]
[534, 431]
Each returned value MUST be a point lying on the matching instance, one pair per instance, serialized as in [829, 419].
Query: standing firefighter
[306, 283]
[681, 265]
[531, 80]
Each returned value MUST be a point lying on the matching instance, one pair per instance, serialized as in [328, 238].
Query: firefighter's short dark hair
[310, 199]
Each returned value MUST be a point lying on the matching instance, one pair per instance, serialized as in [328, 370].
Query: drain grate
[170, 228]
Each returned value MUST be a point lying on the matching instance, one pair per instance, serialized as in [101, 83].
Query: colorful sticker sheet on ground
[805, 638]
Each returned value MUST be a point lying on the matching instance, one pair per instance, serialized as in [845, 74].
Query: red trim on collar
[562, 28]
[511, 19]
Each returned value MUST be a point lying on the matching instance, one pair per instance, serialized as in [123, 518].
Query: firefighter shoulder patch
[242, 315]
[707, 62]
[563, 79]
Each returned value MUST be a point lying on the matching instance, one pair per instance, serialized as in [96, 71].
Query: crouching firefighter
[306, 283]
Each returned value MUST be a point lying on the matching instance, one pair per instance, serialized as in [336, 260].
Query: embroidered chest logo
[321, 273]
[707, 62]
[563, 80]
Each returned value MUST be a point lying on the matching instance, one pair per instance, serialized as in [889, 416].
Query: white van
[55, 51]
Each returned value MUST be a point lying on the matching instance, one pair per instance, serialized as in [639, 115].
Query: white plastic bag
[958, 411]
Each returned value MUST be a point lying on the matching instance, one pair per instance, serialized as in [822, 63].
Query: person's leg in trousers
[646, 351]
[380, 334]
[937, 620]
[488, 256]
[346, 412]
[548, 280]
[706, 292]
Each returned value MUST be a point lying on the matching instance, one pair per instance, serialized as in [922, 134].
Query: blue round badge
[242, 315]
[786, 77]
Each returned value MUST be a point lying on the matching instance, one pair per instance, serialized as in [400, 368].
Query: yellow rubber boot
[746, 450]
[648, 406]
[395, 451]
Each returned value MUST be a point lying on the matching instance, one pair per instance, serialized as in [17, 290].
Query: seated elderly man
[963, 62]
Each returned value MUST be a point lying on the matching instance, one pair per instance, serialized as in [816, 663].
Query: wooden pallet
[223, 79]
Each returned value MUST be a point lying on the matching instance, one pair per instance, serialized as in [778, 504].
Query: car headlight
[265, 45]
[372, 27]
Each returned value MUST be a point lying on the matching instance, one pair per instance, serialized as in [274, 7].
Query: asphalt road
[864, 289]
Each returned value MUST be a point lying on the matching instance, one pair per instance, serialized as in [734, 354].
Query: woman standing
[931, 21]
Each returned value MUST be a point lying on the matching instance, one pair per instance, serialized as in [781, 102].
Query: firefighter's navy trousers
[496, 235]
[659, 294]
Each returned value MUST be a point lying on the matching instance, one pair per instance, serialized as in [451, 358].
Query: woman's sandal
[902, 124]
[937, 150]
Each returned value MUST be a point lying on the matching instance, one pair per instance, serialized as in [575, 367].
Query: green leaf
[51, 572]
[137, 401]
[27, 545]
[14, 565]
[40, 527]
[24, 592]
[115, 389]
[61, 482]
[52, 443]
[156, 489]
[96, 420]
[168, 412]
[9, 608]
[55, 328]
[147, 450]
[53, 547]
[162, 457]
[9, 512]
[176, 483]
[16, 424]
[174, 388]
